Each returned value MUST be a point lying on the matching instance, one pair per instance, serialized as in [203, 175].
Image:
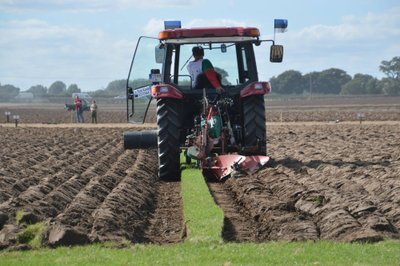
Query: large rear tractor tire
[169, 124]
[254, 127]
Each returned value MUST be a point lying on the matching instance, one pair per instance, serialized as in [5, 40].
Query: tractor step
[219, 167]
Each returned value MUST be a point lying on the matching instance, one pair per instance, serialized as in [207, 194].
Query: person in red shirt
[202, 71]
[78, 109]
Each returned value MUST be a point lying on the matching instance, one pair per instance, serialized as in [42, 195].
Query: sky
[91, 42]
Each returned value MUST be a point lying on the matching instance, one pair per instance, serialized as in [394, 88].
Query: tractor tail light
[254, 88]
[165, 91]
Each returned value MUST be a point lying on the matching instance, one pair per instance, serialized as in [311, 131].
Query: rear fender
[160, 91]
[255, 88]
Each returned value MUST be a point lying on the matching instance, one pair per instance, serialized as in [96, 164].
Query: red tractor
[224, 131]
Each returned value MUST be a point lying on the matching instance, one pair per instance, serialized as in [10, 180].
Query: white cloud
[199, 22]
[372, 27]
[91, 5]
[34, 29]
[34, 51]
[357, 44]
[154, 26]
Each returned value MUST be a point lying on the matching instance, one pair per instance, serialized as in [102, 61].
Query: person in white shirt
[202, 71]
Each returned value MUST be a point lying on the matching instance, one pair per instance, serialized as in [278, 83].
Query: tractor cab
[195, 118]
[163, 62]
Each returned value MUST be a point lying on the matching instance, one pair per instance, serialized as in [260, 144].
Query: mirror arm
[260, 41]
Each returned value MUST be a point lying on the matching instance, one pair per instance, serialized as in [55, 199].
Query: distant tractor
[225, 132]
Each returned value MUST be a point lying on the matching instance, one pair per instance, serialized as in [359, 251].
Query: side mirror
[276, 54]
[223, 48]
[160, 53]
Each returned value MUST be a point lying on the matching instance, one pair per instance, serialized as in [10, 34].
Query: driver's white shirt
[195, 68]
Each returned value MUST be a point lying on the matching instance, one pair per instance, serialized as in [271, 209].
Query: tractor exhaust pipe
[146, 139]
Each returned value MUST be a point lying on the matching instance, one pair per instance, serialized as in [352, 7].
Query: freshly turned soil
[326, 181]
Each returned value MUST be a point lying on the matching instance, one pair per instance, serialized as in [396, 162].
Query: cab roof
[180, 33]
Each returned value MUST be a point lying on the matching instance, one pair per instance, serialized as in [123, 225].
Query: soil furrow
[123, 213]
[48, 182]
[33, 198]
[238, 224]
[277, 217]
[78, 213]
[165, 222]
[33, 174]
[348, 204]
[58, 199]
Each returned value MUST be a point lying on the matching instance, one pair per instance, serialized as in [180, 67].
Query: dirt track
[327, 181]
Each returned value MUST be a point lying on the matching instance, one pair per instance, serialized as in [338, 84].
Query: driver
[202, 71]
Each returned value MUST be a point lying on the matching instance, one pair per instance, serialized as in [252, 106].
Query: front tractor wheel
[254, 125]
[169, 124]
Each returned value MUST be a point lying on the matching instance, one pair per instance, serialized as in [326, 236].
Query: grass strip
[206, 253]
[203, 218]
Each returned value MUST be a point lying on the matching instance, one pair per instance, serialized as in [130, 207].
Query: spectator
[93, 110]
[78, 109]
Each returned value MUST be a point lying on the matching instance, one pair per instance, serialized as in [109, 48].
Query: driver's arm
[211, 75]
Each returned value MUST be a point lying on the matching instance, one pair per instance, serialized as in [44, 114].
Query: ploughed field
[334, 181]
[378, 108]
[326, 181]
[85, 187]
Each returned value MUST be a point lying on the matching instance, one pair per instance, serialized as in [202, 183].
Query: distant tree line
[330, 81]
[337, 81]
[60, 89]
